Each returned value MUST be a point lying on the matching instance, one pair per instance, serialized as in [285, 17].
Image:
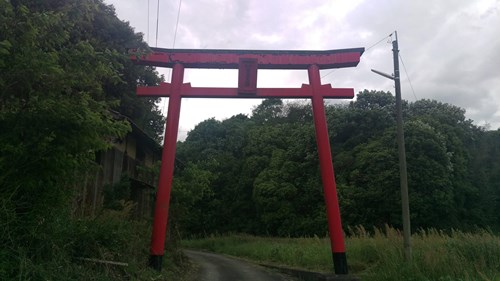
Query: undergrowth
[56, 247]
[375, 255]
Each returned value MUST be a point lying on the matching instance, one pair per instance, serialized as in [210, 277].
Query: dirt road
[215, 267]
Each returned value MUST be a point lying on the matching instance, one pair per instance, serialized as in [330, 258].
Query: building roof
[142, 136]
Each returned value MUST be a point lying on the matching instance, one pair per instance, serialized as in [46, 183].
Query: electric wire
[388, 36]
[148, 24]
[378, 42]
[173, 44]
[175, 32]
[408, 76]
[177, 23]
[157, 21]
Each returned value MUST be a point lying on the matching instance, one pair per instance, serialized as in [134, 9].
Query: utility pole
[402, 153]
[403, 176]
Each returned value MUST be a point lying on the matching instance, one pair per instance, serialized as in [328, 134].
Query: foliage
[63, 67]
[90, 44]
[264, 174]
[50, 123]
[379, 256]
[61, 244]
[115, 195]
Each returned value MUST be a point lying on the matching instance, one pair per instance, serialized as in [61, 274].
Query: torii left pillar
[247, 63]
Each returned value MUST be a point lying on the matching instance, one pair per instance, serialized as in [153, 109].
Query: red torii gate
[248, 62]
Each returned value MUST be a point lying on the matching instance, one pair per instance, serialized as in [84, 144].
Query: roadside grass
[375, 255]
[56, 249]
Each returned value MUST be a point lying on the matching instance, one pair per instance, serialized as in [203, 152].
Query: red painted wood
[247, 76]
[326, 165]
[167, 164]
[230, 59]
[163, 90]
[326, 91]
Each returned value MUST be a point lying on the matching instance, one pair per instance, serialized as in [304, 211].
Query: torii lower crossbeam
[248, 62]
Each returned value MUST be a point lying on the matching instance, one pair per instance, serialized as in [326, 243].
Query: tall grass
[54, 250]
[375, 255]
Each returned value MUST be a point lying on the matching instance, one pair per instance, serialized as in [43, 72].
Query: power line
[378, 42]
[407, 76]
[388, 36]
[157, 21]
[173, 44]
[175, 32]
[148, 22]
[177, 23]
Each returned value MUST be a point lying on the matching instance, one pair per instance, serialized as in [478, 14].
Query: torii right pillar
[327, 174]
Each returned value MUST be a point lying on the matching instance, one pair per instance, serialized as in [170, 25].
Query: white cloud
[450, 47]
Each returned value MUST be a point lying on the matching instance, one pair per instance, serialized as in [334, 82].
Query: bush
[55, 249]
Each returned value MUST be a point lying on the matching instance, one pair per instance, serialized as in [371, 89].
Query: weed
[56, 250]
[375, 255]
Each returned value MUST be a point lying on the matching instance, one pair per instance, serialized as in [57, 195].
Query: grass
[375, 256]
[54, 251]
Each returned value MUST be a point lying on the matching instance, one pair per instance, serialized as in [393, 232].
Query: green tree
[459, 135]
[367, 117]
[94, 23]
[60, 75]
[266, 176]
[484, 206]
[217, 147]
[437, 157]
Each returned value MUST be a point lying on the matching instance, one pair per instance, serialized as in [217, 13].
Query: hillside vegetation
[259, 174]
[64, 68]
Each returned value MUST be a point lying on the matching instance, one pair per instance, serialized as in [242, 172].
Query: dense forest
[259, 174]
[64, 71]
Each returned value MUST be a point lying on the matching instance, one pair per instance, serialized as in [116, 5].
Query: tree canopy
[262, 174]
[64, 67]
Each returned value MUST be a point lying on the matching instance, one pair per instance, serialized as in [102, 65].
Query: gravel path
[215, 267]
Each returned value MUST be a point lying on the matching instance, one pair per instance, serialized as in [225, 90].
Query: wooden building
[128, 165]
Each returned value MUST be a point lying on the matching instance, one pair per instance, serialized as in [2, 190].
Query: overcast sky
[451, 48]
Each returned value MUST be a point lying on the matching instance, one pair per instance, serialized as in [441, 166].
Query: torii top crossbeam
[248, 61]
[266, 59]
